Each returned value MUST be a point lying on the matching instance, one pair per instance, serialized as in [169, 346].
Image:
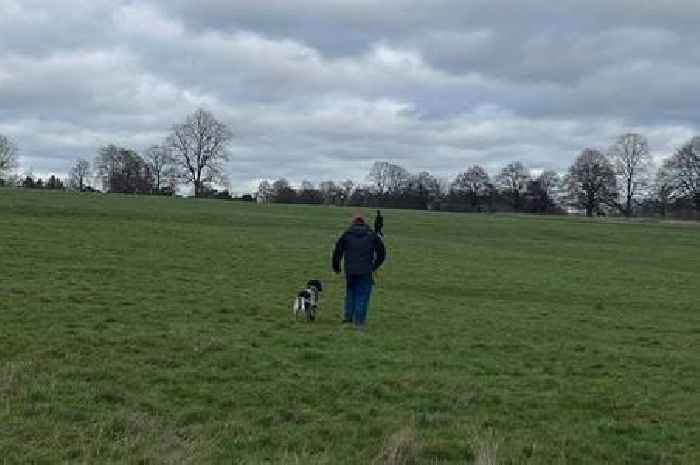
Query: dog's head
[304, 294]
[302, 301]
[315, 283]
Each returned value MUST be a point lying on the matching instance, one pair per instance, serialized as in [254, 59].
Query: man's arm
[338, 253]
[380, 253]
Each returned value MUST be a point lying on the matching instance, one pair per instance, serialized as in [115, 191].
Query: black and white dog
[306, 302]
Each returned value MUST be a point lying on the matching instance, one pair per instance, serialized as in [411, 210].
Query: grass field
[154, 330]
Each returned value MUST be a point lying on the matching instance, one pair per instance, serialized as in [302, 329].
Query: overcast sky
[319, 89]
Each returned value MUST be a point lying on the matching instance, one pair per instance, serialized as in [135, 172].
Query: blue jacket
[363, 250]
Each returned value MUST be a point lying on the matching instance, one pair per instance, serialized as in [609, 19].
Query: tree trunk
[628, 207]
[198, 183]
[590, 203]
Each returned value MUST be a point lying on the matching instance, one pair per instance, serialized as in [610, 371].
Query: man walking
[379, 224]
[364, 253]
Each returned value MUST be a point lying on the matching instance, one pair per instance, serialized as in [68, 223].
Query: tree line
[622, 180]
[193, 154]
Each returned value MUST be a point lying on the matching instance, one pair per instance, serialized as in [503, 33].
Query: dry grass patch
[401, 448]
[485, 448]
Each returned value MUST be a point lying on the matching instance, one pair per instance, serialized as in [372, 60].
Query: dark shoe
[346, 321]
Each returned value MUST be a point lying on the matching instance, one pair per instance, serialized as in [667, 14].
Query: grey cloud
[39, 27]
[333, 85]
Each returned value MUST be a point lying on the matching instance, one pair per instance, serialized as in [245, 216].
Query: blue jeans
[357, 293]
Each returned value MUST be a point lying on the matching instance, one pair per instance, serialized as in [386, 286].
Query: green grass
[154, 330]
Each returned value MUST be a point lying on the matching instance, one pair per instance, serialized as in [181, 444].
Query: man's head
[358, 218]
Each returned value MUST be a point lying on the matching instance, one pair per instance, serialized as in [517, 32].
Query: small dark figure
[379, 224]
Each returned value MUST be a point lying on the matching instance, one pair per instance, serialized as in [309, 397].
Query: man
[379, 224]
[364, 253]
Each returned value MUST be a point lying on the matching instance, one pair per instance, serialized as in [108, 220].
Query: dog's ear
[315, 283]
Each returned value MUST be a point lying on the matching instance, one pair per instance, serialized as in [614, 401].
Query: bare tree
[513, 179]
[473, 183]
[591, 181]
[308, 193]
[426, 182]
[379, 176]
[280, 185]
[307, 186]
[348, 187]
[544, 192]
[663, 188]
[388, 178]
[475, 179]
[426, 187]
[160, 158]
[8, 156]
[684, 170]
[445, 185]
[630, 157]
[199, 148]
[282, 191]
[550, 182]
[79, 175]
[122, 170]
[264, 192]
[330, 192]
[398, 178]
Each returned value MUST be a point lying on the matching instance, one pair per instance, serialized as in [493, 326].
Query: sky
[320, 89]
